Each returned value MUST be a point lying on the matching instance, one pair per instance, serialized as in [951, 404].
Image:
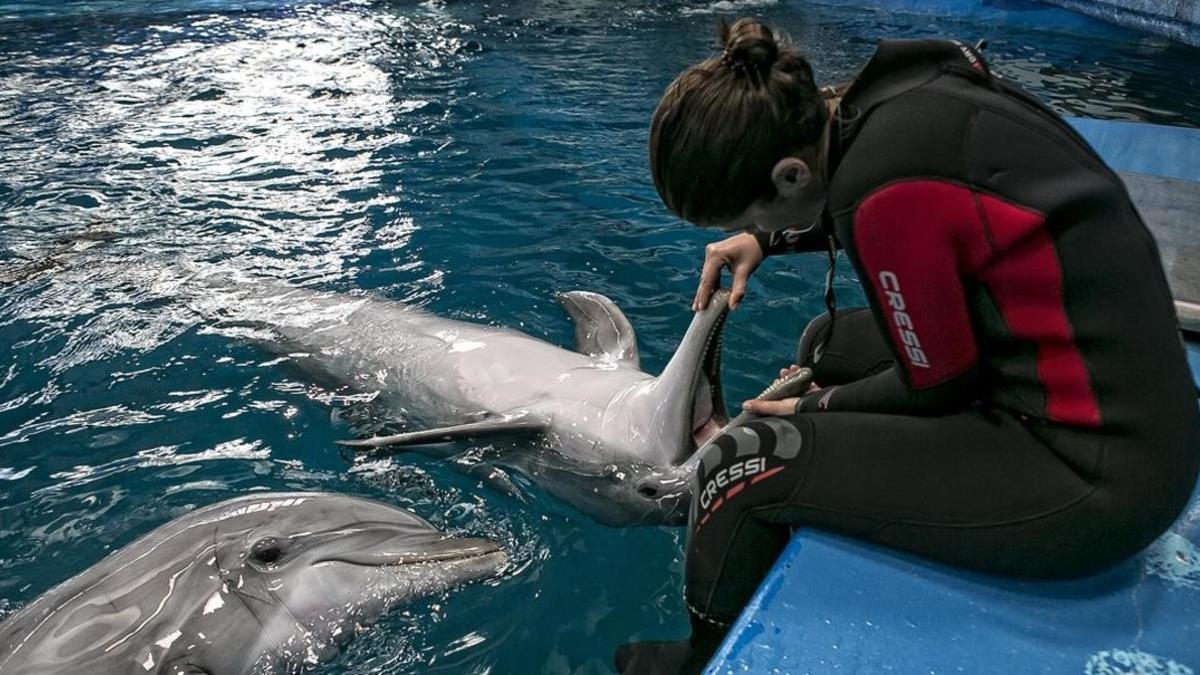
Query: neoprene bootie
[673, 657]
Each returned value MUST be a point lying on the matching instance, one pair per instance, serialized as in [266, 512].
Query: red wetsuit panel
[1026, 281]
[915, 239]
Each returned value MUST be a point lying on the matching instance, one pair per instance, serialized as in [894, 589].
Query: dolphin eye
[267, 551]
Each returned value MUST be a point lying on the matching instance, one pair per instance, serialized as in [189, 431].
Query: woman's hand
[741, 254]
[786, 406]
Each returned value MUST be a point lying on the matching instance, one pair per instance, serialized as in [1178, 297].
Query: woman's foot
[678, 657]
[660, 658]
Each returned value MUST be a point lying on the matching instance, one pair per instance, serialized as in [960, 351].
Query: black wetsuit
[1015, 400]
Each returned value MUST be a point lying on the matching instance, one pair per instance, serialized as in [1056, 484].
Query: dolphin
[63, 251]
[265, 583]
[612, 440]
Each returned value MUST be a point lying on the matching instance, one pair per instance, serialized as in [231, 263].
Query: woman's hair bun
[749, 46]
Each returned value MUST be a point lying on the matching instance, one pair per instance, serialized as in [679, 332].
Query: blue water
[472, 158]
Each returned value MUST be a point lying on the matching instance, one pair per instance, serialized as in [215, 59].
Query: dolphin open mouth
[709, 414]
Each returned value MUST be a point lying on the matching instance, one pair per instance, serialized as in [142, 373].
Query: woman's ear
[791, 176]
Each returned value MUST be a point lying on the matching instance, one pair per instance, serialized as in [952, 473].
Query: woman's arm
[886, 392]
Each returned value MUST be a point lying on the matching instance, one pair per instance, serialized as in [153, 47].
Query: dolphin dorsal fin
[601, 328]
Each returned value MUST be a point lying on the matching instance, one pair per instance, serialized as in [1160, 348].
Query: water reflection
[472, 157]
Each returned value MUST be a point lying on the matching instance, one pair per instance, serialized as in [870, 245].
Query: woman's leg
[942, 480]
[978, 489]
[855, 349]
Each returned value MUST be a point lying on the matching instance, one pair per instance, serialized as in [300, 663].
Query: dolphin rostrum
[265, 583]
[616, 439]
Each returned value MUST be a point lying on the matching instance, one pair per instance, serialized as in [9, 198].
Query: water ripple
[471, 158]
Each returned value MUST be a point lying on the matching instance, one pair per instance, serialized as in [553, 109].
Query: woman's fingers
[785, 406]
[741, 275]
[741, 254]
[788, 372]
[710, 277]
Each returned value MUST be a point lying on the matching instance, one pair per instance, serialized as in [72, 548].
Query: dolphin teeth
[789, 386]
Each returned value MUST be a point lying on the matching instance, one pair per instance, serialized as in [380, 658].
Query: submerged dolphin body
[616, 439]
[268, 583]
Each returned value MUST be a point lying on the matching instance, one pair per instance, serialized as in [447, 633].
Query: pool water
[472, 158]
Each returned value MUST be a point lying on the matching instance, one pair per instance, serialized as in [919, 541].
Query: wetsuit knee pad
[745, 474]
[751, 465]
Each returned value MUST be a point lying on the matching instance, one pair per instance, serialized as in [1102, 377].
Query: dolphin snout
[718, 303]
[416, 552]
[454, 549]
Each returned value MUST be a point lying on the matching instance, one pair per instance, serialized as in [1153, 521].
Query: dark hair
[722, 125]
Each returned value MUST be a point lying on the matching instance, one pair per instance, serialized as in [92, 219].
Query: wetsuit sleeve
[792, 241]
[886, 392]
[915, 242]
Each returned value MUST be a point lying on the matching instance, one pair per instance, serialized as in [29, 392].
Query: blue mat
[1152, 149]
[833, 605]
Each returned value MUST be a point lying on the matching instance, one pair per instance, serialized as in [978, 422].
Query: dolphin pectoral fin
[497, 479]
[600, 327]
[506, 424]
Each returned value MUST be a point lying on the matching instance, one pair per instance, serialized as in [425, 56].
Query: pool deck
[834, 605]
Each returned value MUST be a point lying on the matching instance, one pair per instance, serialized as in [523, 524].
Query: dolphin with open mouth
[266, 583]
[614, 441]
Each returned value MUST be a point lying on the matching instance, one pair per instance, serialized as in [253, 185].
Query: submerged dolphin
[616, 439]
[273, 582]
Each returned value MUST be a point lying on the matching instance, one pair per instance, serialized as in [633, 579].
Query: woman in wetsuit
[1016, 398]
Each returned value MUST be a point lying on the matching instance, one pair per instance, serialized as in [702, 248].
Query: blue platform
[1133, 147]
[833, 605]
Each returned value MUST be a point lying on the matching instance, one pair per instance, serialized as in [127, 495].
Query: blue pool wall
[1175, 19]
[834, 605]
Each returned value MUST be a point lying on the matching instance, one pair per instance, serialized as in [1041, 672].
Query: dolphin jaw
[698, 357]
[711, 370]
[443, 550]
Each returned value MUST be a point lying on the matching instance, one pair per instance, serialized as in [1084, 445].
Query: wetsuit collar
[896, 67]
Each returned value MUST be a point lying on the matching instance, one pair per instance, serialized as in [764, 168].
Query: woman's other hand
[741, 254]
[789, 371]
[785, 406]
